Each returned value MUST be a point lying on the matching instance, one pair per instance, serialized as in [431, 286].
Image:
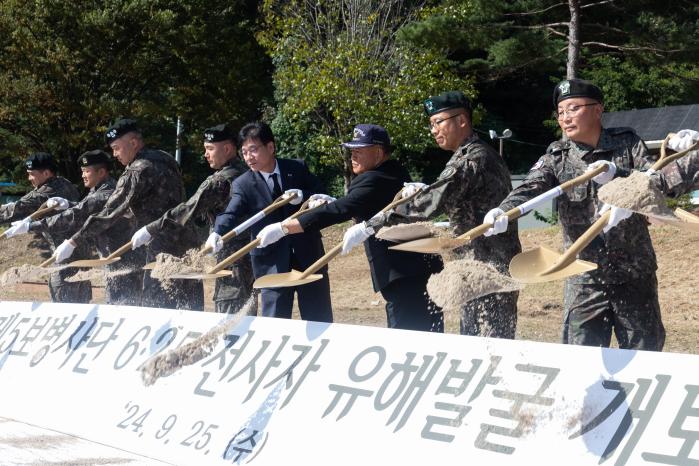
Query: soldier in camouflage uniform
[41, 171]
[474, 180]
[682, 176]
[621, 294]
[150, 185]
[122, 286]
[212, 197]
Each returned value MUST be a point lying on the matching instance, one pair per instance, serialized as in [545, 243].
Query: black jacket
[368, 193]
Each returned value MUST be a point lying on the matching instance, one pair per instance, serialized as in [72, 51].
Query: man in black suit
[252, 192]
[401, 277]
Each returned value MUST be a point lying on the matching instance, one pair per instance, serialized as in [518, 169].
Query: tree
[642, 53]
[67, 69]
[337, 64]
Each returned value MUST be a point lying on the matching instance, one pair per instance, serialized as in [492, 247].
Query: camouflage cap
[120, 128]
[94, 157]
[576, 88]
[447, 101]
[219, 133]
[40, 161]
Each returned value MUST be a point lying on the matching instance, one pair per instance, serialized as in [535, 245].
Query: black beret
[219, 133]
[41, 161]
[447, 101]
[94, 157]
[576, 88]
[120, 128]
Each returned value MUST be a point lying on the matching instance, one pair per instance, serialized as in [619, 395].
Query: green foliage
[681, 202]
[67, 69]
[551, 219]
[336, 67]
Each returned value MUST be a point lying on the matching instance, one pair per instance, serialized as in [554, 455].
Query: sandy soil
[540, 305]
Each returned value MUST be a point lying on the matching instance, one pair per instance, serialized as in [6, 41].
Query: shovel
[296, 278]
[39, 213]
[542, 264]
[218, 270]
[441, 245]
[110, 259]
[279, 202]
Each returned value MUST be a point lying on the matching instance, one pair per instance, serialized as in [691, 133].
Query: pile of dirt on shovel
[410, 231]
[463, 280]
[636, 192]
[167, 266]
[23, 273]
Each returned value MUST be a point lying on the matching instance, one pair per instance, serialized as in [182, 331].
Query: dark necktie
[276, 190]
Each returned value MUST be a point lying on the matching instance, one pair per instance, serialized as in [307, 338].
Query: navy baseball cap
[365, 135]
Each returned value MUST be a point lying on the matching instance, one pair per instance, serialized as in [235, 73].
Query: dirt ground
[540, 305]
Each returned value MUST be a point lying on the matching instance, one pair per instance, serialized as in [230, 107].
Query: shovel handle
[571, 253]
[397, 200]
[118, 253]
[278, 202]
[666, 159]
[254, 243]
[41, 213]
[48, 261]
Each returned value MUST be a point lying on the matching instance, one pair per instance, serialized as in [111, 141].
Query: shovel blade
[91, 262]
[684, 220]
[149, 266]
[408, 232]
[281, 280]
[429, 245]
[528, 266]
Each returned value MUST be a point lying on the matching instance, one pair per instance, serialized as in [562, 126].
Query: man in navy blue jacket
[401, 277]
[267, 179]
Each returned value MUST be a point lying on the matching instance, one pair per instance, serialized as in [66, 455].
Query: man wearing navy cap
[474, 180]
[621, 295]
[220, 151]
[150, 185]
[41, 172]
[401, 277]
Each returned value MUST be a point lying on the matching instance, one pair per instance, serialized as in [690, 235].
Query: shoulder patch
[448, 172]
[539, 163]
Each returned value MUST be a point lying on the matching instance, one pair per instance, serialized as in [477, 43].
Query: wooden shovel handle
[571, 253]
[252, 245]
[48, 261]
[515, 212]
[41, 212]
[119, 252]
[397, 200]
[279, 202]
[666, 159]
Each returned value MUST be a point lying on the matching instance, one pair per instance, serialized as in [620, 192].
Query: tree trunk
[572, 64]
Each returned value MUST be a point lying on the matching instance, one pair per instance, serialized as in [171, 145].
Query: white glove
[683, 140]
[19, 227]
[299, 196]
[411, 188]
[604, 177]
[58, 203]
[270, 234]
[498, 219]
[64, 251]
[140, 238]
[319, 199]
[214, 242]
[355, 235]
[618, 214]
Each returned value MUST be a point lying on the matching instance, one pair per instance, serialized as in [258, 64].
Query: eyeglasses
[572, 110]
[436, 123]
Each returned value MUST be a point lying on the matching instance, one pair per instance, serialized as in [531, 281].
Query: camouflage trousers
[63, 291]
[630, 310]
[232, 293]
[493, 315]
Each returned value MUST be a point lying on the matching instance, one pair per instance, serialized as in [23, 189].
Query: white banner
[276, 391]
